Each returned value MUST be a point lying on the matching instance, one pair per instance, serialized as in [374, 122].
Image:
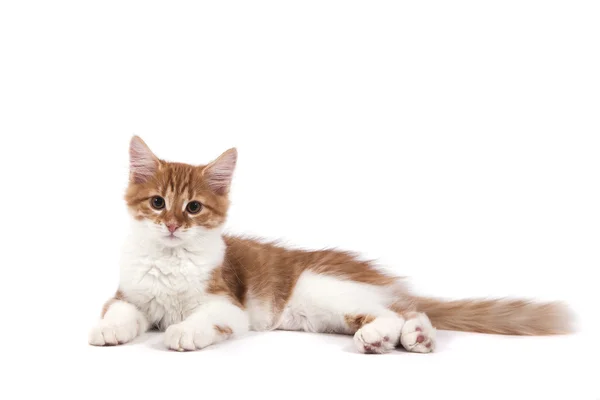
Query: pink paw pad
[418, 335]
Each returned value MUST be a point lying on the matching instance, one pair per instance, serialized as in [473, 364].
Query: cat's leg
[325, 303]
[121, 322]
[210, 323]
[418, 335]
[376, 335]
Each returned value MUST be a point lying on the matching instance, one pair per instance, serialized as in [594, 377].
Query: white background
[455, 141]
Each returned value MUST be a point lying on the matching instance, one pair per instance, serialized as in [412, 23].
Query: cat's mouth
[171, 240]
[172, 236]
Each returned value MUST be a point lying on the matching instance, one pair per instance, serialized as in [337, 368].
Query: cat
[180, 274]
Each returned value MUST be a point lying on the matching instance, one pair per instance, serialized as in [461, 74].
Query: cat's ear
[218, 174]
[142, 162]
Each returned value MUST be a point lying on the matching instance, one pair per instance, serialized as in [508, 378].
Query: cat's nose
[172, 227]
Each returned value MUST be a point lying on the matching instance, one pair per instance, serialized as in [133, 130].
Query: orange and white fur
[181, 274]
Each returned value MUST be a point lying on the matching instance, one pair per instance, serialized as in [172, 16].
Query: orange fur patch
[355, 322]
[223, 330]
[235, 290]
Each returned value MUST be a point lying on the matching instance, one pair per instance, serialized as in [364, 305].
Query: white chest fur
[168, 283]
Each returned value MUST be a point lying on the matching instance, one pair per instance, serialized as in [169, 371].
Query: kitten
[181, 274]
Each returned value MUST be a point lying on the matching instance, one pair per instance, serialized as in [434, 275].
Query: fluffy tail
[507, 317]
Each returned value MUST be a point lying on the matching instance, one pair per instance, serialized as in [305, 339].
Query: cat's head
[176, 203]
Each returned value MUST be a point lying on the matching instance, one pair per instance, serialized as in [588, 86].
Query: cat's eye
[194, 207]
[157, 202]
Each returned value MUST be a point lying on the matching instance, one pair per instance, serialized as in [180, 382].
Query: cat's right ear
[142, 162]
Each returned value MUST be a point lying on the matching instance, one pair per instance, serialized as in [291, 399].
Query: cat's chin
[172, 241]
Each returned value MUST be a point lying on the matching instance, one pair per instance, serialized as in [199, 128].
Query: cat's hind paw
[418, 335]
[379, 336]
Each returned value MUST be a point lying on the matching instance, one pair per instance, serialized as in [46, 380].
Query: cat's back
[279, 264]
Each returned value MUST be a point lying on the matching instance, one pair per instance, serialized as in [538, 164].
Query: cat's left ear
[142, 162]
[219, 173]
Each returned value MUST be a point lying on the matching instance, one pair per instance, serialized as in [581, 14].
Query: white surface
[456, 142]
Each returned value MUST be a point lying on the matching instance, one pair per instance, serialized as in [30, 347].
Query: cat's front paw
[418, 335]
[186, 336]
[110, 333]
